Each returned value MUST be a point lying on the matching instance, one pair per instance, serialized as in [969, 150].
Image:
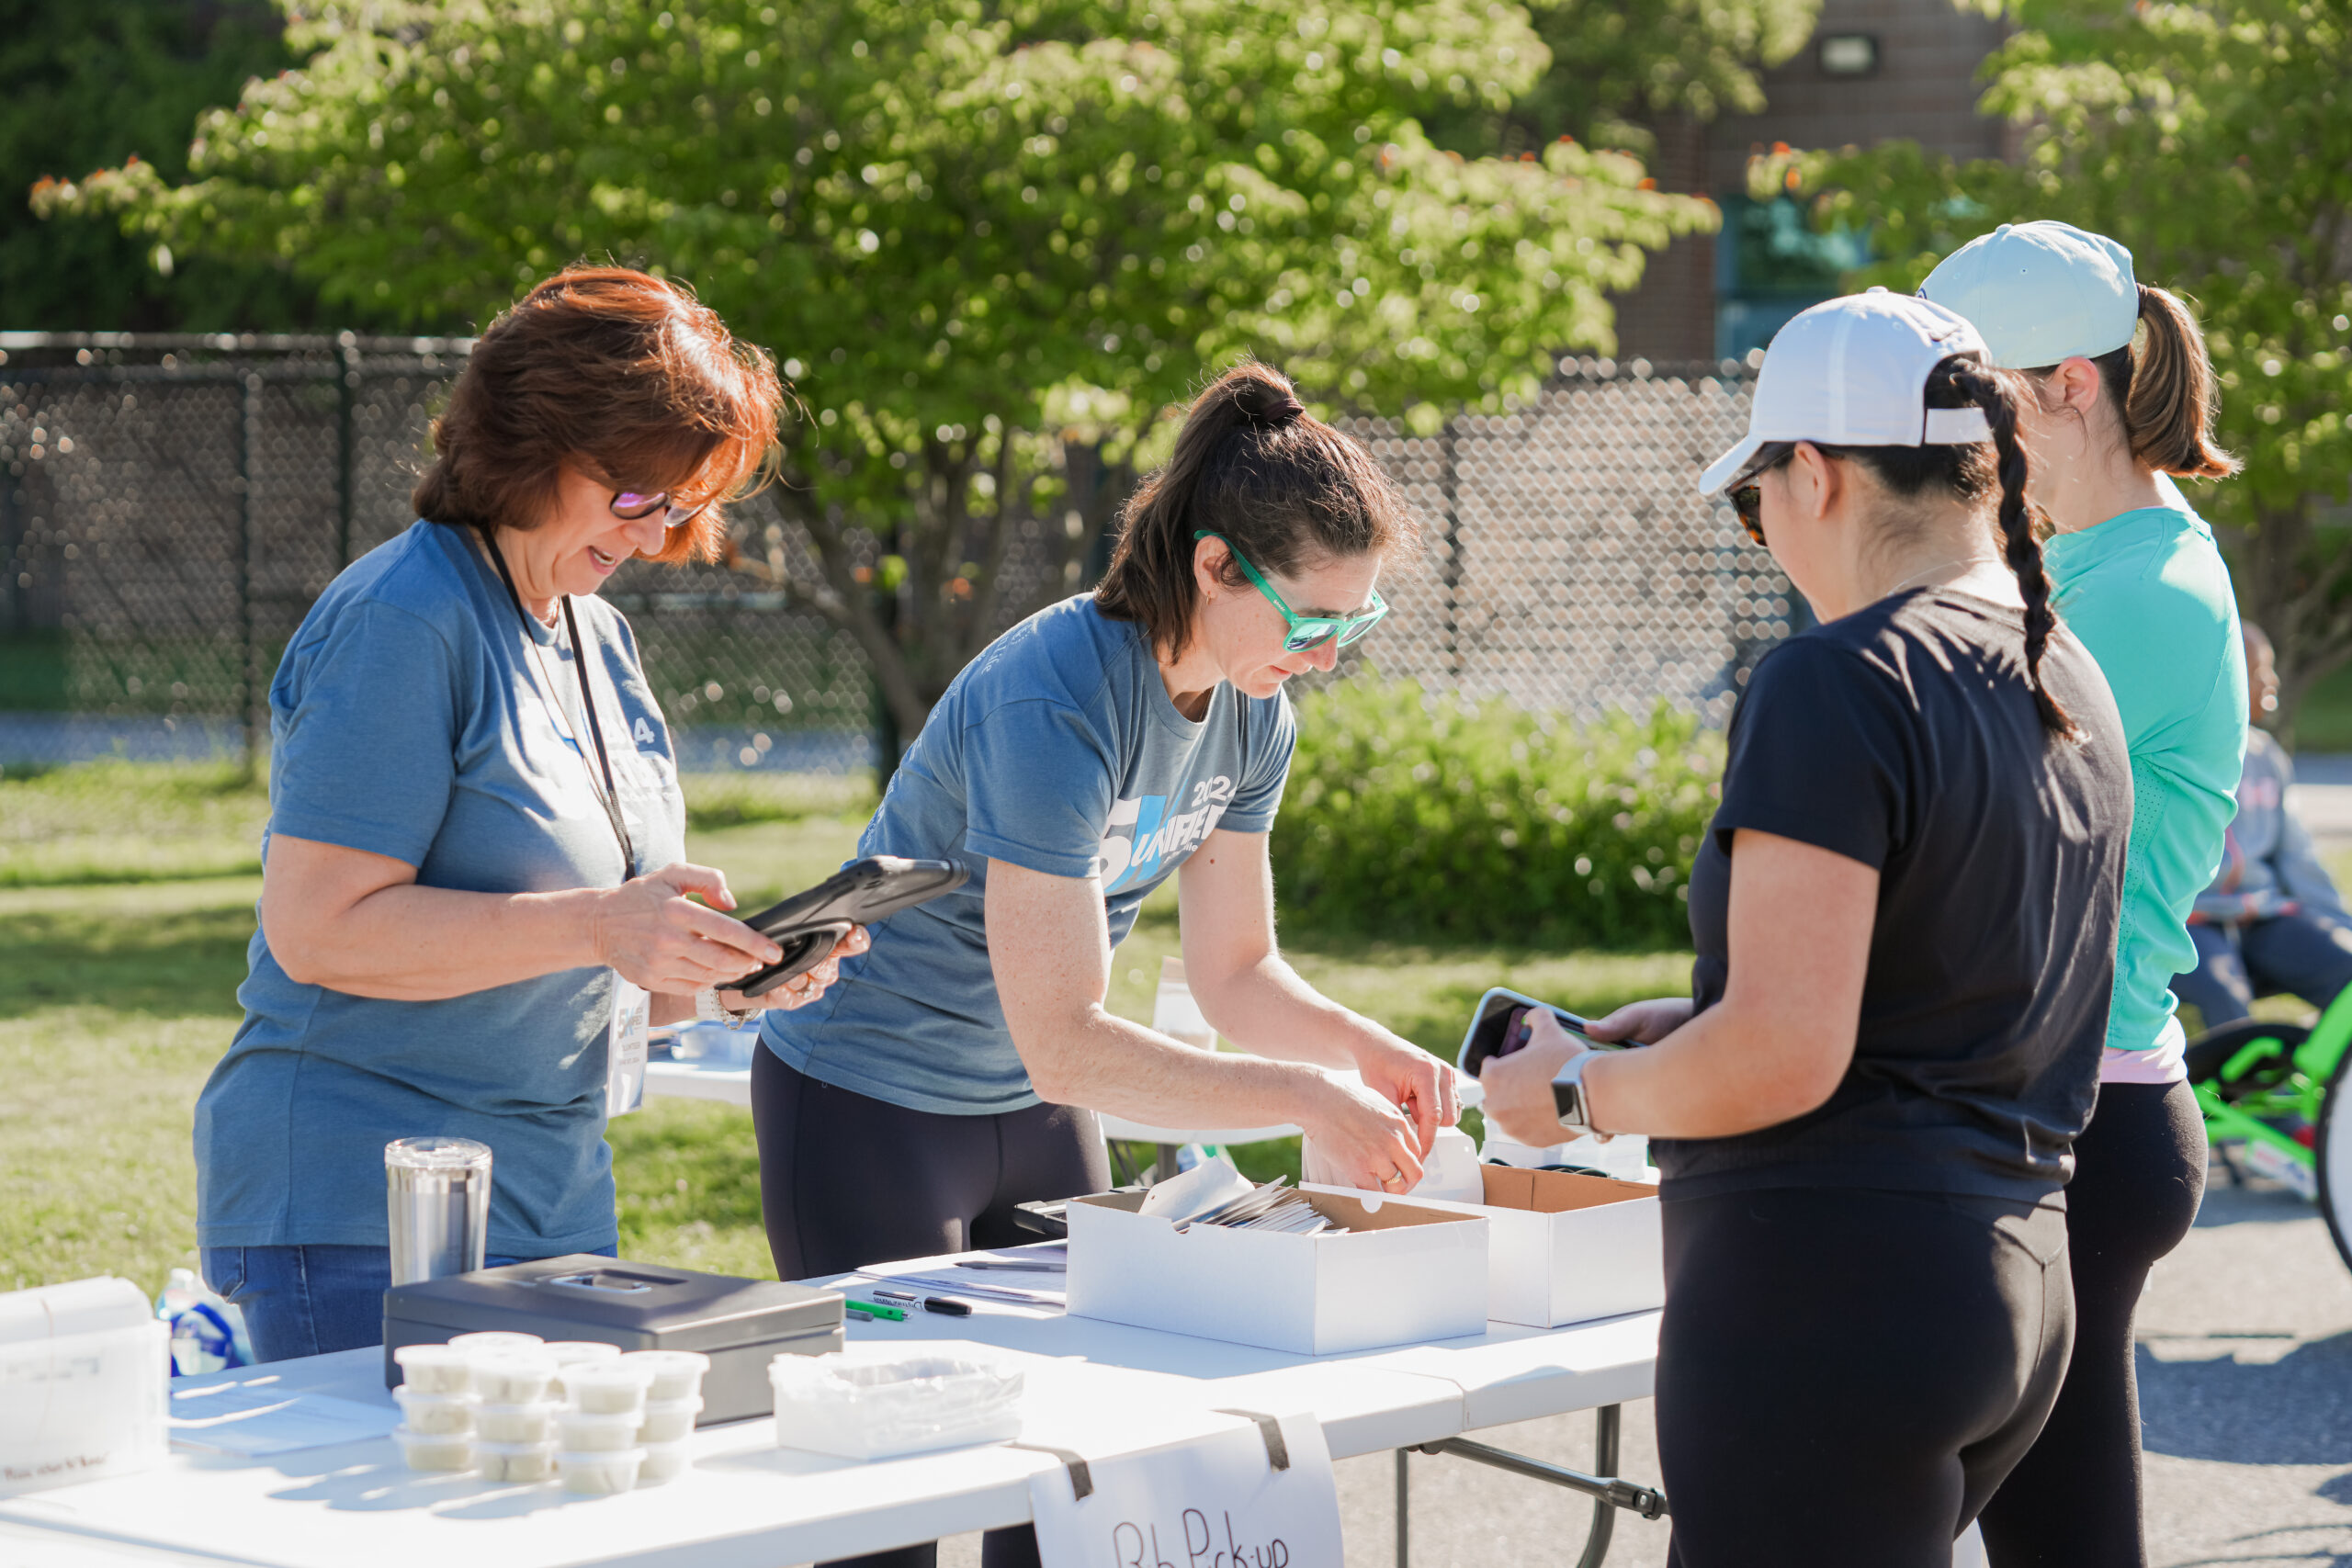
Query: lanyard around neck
[608, 798]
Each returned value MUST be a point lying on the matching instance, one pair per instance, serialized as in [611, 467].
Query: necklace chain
[1971, 561]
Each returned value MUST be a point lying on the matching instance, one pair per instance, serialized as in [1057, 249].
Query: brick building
[1874, 71]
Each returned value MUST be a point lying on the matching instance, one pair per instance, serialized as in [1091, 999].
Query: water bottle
[207, 1332]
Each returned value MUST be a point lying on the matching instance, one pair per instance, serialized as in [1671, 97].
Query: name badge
[625, 1058]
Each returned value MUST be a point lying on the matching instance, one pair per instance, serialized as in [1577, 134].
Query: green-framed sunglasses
[1306, 632]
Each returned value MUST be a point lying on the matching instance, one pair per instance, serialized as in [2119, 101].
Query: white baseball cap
[2040, 292]
[1853, 372]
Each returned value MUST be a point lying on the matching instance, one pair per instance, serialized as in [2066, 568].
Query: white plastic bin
[84, 1378]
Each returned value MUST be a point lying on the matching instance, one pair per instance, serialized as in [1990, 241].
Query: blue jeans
[2302, 954]
[307, 1300]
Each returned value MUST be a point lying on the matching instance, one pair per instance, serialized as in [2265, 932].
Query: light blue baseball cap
[2041, 292]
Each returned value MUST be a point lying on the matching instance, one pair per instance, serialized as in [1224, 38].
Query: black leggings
[846, 1181]
[1845, 1375]
[2074, 1500]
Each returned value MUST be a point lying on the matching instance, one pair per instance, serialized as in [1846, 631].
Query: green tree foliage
[1411, 817]
[2216, 142]
[92, 84]
[1619, 65]
[954, 221]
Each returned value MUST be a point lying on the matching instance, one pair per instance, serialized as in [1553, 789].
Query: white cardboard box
[1408, 1272]
[1568, 1248]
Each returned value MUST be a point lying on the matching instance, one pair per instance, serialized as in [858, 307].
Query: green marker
[874, 1309]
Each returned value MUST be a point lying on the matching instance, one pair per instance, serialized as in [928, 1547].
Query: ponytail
[2169, 401]
[1990, 394]
[1282, 487]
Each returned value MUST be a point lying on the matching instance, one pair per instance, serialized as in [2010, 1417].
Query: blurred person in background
[2272, 922]
[2123, 398]
[473, 874]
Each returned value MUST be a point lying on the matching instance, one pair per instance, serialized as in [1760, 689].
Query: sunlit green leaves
[2216, 142]
[941, 214]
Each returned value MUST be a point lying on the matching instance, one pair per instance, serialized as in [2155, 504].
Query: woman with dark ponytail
[1905, 912]
[2140, 579]
[1085, 755]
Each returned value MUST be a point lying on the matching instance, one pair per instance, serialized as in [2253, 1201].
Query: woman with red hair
[474, 876]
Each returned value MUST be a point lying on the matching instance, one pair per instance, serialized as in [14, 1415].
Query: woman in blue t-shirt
[1082, 759]
[475, 837]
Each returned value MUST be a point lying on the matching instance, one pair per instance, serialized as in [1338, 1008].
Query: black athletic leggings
[2074, 1500]
[846, 1181]
[1845, 1375]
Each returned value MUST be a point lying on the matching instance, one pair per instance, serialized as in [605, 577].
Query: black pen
[948, 1304]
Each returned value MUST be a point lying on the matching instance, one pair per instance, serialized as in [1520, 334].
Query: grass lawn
[116, 996]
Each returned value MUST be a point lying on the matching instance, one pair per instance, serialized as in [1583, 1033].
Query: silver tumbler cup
[437, 1190]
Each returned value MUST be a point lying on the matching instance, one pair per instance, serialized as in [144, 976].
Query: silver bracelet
[709, 1009]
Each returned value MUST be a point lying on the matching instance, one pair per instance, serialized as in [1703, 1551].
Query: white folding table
[1096, 1389]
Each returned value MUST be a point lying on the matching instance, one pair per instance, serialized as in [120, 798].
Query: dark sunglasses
[629, 505]
[1747, 491]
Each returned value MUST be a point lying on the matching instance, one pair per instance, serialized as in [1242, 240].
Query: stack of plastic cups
[437, 1402]
[672, 1400]
[572, 1352]
[514, 1423]
[603, 1405]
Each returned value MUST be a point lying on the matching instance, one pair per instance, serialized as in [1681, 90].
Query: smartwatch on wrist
[1568, 1096]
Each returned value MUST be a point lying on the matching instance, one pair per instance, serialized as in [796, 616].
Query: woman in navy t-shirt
[1904, 912]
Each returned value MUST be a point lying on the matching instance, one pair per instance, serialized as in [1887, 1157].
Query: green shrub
[1416, 817]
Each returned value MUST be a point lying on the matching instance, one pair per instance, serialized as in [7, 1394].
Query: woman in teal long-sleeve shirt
[2141, 582]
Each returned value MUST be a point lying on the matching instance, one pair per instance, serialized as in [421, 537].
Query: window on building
[1772, 264]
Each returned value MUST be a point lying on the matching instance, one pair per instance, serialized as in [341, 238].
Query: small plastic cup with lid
[663, 1461]
[436, 1368]
[489, 1339]
[574, 1352]
[606, 1387]
[587, 1432]
[668, 1420]
[435, 1450]
[514, 1423]
[677, 1374]
[508, 1377]
[514, 1462]
[435, 1414]
[603, 1470]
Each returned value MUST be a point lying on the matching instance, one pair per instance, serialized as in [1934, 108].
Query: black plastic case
[807, 925]
[740, 1324]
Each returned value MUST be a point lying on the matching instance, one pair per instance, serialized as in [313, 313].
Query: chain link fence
[170, 507]
[1569, 563]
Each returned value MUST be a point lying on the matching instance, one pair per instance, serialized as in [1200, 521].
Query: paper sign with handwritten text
[1216, 1502]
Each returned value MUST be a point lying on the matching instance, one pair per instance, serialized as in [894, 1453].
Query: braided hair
[1991, 392]
[1971, 473]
